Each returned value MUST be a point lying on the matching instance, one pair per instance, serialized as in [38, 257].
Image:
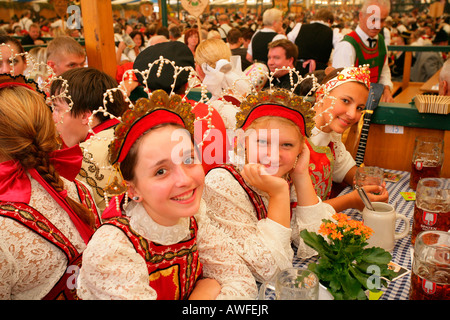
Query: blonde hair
[63, 45]
[28, 135]
[283, 121]
[272, 15]
[212, 50]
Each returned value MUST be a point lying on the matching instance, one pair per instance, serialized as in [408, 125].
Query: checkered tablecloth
[399, 288]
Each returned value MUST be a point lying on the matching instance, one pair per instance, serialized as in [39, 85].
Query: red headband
[150, 120]
[276, 111]
[15, 84]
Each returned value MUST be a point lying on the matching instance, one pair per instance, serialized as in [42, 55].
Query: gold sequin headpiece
[279, 103]
[158, 109]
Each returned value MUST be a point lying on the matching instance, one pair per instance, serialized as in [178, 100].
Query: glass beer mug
[430, 276]
[432, 206]
[427, 159]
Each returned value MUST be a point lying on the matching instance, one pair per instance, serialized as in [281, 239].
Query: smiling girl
[339, 104]
[264, 205]
[162, 246]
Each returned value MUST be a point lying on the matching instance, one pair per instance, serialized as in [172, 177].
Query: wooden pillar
[406, 69]
[99, 35]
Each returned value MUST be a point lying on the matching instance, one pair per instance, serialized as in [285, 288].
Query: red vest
[173, 270]
[321, 166]
[65, 288]
[374, 57]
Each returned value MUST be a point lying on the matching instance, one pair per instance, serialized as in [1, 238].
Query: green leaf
[362, 277]
[351, 286]
[376, 255]
[317, 242]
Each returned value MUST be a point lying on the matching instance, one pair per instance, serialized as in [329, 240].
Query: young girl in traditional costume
[265, 204]
[339, 104]
[46, 216]
[163, 246]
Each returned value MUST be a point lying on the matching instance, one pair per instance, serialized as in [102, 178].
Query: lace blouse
[30, 265]
[112, 269]
[344, 160]
[264, 245]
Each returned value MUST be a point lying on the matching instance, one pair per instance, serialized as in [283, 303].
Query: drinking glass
[296, 284]
[427, 159]
[369, 176]
[430, 275]
[432, 206]
[293, 284]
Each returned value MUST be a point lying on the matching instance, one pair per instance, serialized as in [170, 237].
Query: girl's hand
[374, 193]
[301, 167]
[205, 289]
[257, 176]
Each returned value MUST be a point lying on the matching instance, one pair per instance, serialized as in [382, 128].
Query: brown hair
[86, 87]
[190, 32]
[289, 47]
[28, 135]
[332, 74]
[11, 40]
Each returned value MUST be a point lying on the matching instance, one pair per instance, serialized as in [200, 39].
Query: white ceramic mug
[382, 222]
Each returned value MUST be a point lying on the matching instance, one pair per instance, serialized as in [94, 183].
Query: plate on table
[324, 294]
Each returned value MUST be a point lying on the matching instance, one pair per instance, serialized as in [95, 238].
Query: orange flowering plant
[345, 266]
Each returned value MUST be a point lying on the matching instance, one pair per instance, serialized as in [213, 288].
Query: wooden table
[432, 84]
[408, 93]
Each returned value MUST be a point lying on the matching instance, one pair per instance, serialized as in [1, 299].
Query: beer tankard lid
[435, 191]
[429, 148]
[433, 246]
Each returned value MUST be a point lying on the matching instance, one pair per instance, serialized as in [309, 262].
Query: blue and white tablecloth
[399, 288]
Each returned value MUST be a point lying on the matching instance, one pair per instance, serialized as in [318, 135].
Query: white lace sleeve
[309, 218]
[343, 159]
[221, 262]
[264, 245]
[112, 269]
[30, 265]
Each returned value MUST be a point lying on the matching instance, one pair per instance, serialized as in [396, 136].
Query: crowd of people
[96, 185]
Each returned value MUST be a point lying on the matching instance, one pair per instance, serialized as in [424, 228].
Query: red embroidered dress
[173, 269]
[65, 288]
[321, 165]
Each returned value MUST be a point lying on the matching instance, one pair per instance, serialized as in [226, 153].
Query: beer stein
[382, 221]
[427, 159]
[432, 206]
[430, 275]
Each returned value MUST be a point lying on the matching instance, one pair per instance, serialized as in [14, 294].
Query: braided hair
[28, 135]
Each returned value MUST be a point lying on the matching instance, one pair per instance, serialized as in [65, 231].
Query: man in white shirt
[26, 22]
[315, 41]
[224, 27]
[367, 46]
[272, 30]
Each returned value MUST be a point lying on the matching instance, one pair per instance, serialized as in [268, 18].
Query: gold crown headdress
[157, 107]
[297, 108]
